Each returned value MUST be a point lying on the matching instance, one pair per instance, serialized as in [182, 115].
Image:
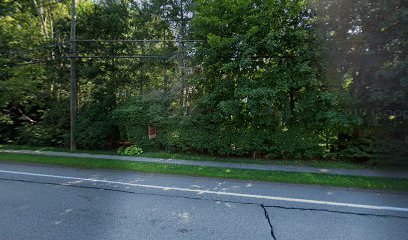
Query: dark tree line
[263, 78]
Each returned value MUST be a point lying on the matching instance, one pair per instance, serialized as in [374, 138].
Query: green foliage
[244, 65]
[263, 76]
[277, 79]
[95, 128]
[134, 118]
[131, 151]
[296, 144]
[356, 149]
[366, 58]
[40, 135]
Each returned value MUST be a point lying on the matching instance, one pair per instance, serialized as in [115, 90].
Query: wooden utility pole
[182, 56]
[73, 76]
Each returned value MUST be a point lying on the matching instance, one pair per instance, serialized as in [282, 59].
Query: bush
[357, 148]
[295, 143]
[40, 135]
[201, 135]
[95, 128]
[134, 118]
[131, 150]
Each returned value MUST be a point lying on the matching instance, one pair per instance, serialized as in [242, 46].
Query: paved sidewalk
[359, 172]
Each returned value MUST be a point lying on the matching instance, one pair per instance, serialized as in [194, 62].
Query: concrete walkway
[359, 172]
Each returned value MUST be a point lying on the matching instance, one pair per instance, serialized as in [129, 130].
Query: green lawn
[196, 157]
[318, 164]
[267, 176]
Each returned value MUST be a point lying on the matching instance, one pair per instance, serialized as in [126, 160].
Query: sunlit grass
[267, 176]
[197, 157]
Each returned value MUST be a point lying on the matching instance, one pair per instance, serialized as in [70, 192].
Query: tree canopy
[309, 79]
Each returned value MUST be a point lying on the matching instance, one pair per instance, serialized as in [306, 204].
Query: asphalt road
[43, 202]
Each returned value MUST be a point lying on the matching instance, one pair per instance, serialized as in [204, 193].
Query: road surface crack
[334, 211]
[269, 221]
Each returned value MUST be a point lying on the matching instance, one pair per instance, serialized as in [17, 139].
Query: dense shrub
[40, 135]
[46, 128]
[197, 134]
[95, 128]
[134, 118]
[131, 150]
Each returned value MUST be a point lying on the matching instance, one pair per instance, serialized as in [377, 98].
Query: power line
[35, 61]
[47, 47]
[127, 56]
[136, 40]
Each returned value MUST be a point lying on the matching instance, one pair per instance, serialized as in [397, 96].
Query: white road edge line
[285, 199]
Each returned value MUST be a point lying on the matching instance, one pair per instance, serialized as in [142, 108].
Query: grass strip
[195, 157]
[308, 163]
[266, 176]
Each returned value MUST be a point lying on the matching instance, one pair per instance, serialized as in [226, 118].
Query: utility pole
[73, 76]
[181, 56]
